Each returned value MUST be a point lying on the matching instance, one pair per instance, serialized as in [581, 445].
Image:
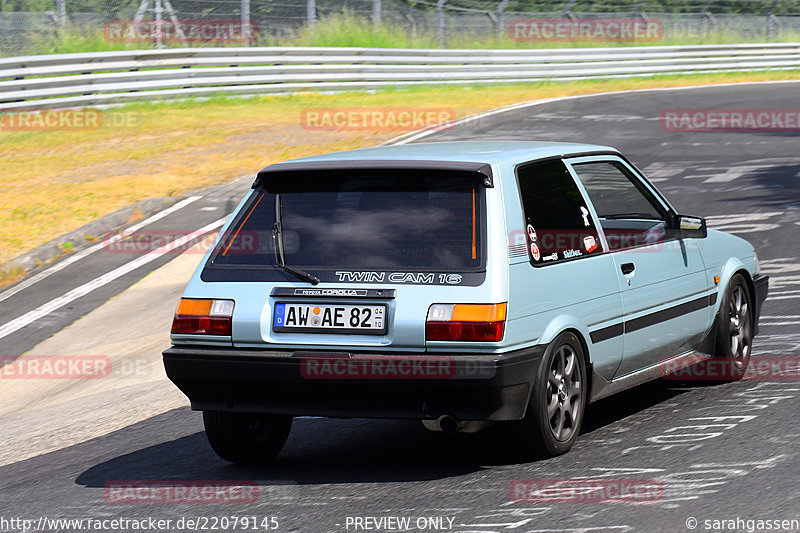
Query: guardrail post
[440, 22]
[311, 13]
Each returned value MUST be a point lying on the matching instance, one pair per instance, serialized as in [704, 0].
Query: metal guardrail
[103, 78]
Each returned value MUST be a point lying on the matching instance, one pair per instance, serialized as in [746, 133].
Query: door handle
[627, 268]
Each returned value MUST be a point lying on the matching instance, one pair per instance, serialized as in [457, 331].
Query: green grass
[346, 29]
[718, 37]
[76, 41]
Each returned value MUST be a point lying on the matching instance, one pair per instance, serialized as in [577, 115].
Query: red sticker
[535, 252]
[590, 243]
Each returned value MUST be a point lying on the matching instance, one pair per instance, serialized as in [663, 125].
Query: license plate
[329, 318]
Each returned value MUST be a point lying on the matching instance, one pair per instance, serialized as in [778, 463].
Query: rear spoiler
[483, 169]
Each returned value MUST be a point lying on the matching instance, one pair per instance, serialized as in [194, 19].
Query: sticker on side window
[535, 252]
[531, 233]
[585, 216]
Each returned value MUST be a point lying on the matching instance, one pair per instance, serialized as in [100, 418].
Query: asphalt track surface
[718, 451]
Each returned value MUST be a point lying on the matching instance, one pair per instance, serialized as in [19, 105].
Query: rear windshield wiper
[280, 258]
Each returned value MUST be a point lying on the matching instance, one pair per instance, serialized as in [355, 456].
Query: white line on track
[82, 290]
[794, 323]
[744, 223]
[743, 217]
[83, 253]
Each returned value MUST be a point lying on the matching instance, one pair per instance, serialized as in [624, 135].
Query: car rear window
[359, 220]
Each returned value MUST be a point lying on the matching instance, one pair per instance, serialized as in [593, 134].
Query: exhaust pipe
[448, 424]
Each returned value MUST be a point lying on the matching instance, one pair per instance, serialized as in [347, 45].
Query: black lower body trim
[667, 314]
[600, 335]
[652, 319]
[475, 387]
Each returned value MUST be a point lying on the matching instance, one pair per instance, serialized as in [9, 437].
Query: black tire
[246, 438]
[558, 400]
[735, 325]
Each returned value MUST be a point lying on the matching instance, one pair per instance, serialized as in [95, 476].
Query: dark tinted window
[629, 213]
[558, 222]
[362, 220]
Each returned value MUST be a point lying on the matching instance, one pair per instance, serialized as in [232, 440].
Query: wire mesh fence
[33, 26]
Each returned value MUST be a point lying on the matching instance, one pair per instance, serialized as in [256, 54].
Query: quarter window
[558, 223]
[629, 213]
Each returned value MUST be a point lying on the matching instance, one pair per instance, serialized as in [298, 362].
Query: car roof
[489, 152]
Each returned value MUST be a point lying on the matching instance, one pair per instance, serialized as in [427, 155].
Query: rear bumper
[368, 385]
[761, 285]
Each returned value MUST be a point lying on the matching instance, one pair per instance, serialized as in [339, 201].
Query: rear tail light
[203, 317]
[466, 322]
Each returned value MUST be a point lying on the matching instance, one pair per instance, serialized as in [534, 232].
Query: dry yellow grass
[55, 181]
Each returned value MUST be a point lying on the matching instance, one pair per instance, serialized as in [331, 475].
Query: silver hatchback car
[460, 284]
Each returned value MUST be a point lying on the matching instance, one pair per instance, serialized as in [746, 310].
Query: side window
[629, 213]
[558, 222]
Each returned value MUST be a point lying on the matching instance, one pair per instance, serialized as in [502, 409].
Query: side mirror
[691, 227]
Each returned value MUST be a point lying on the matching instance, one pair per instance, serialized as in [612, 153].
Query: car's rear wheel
[558, 399]
[735, 322]
[246, 438]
